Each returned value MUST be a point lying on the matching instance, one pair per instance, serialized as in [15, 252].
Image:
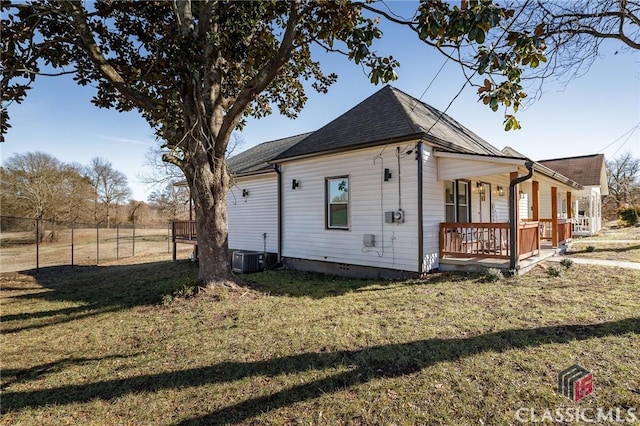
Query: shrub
[493, 274]
[567, 263]
[629, 215]
[554, 271]
[185, 291]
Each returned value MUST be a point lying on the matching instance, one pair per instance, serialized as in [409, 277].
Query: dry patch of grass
[623, 252]
[625, 233]
[98, 346]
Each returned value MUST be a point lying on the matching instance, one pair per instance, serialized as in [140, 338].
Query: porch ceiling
[457, 168]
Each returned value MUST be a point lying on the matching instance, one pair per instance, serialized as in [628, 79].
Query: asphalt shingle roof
[586, 170]
[389, 115]
[257, 159]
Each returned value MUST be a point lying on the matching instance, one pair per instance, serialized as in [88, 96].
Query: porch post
[554, 216]
[569, 215]
[535, 188]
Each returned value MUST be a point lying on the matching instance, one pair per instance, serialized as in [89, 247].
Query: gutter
[513, 224]
[420, 212]
[278, 170]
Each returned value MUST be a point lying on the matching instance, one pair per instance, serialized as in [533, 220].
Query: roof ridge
[571, 158]
[407, 114]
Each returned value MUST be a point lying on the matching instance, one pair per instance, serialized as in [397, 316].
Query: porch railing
[184, 230]
[581, 224]
[564, 232]
[528, 239]
[487, 240]
[546, 229]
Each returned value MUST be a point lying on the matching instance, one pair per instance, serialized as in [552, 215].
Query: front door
[485, 203]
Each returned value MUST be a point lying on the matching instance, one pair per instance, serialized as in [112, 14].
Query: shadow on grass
[11, 376]
[604, 250]
[96, 289]
[364, 365]
[318, 286]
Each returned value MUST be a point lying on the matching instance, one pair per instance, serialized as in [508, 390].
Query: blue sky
[591, 112]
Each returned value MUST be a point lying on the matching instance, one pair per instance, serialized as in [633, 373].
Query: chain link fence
[37, 243]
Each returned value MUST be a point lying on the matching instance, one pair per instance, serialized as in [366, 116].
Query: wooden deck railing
[564, 232]
[487, 240]
[184, 230]
[528, 239]
[474, 240]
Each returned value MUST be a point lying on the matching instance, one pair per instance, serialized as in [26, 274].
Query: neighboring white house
[589, 171]
[393, 187]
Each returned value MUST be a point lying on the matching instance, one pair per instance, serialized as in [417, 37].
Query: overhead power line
[630, 132]
[625, 141]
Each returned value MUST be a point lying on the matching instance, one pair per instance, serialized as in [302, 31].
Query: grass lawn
[97, 345]
[629, 252]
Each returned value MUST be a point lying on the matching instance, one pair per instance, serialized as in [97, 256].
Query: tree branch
[259, 82]
[77, 12]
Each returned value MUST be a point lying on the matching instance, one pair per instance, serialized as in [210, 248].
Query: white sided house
[392, 188]
[586, 208]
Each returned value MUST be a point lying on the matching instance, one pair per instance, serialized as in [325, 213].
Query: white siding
[252, 216]
[433, 209]
[304, 230]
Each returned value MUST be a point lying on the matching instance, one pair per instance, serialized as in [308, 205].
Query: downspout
[278, 170]
[513, 220]
[420, 212]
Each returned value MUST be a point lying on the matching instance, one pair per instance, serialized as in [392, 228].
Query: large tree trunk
[209, 187]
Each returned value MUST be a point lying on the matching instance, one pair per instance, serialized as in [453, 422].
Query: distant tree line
[623, 201]
[37, 185]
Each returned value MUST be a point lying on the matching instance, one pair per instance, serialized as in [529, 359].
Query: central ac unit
[244, 262]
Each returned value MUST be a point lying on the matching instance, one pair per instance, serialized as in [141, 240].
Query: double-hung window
[456, 201]
[337, 202]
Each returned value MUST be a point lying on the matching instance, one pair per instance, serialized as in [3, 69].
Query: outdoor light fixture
[387, 175]
[500, 190]
[245, 193]
[295, 183]
[521, 194]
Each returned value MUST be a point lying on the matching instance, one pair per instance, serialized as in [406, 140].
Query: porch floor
[480, 264]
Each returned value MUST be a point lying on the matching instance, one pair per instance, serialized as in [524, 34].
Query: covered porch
[485, 205]
[587, 210]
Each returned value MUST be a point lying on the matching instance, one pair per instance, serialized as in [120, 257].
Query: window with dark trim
[337, 202]
[456, 201]
[450, 201]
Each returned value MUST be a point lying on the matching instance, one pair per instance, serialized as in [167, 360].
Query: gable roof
[386, 116]
[256, 159]
[586, 169]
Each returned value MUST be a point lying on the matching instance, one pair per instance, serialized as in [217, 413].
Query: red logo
[575, 382]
